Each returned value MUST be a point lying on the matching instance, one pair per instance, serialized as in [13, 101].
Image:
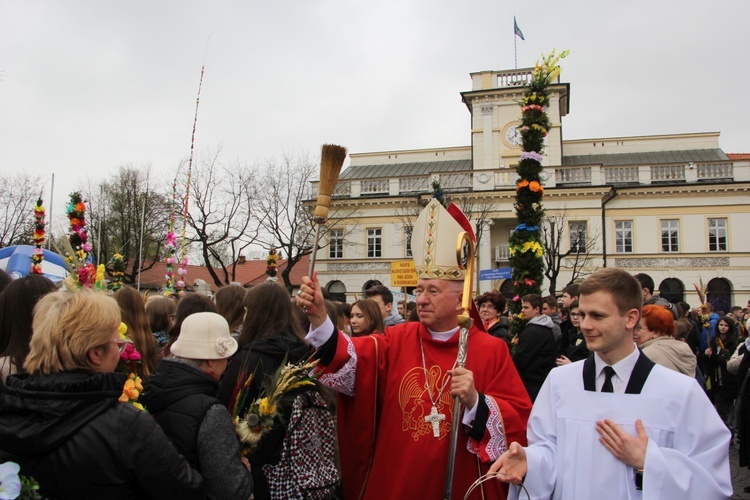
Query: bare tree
[18, 194]
[573, 254]
[128, 216]
[222, 215]
[479, 211]
[286, 198]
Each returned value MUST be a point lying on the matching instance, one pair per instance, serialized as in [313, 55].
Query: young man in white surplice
[616, 425]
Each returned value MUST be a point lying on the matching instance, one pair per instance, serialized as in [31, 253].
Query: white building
[673, 206]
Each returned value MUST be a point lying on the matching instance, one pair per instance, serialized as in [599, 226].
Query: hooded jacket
[536, 353]
[182, 400]
[71, 434]
[671, 353]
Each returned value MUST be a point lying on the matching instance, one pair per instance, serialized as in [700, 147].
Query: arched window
[370, 284]
[337, 290]
[672, 289]
[719, 291]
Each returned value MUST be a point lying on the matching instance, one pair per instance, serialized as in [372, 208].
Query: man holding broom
[396, 389]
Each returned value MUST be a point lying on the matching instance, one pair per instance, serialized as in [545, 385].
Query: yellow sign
[403, 273]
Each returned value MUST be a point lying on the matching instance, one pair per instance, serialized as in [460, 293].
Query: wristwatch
[638, 479]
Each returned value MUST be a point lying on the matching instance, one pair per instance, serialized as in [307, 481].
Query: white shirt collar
[443, 336]
[623, 369]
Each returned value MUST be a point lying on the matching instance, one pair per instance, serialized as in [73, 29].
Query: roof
[738, 156]
[647, 158]
[404, 169]
[247, 273]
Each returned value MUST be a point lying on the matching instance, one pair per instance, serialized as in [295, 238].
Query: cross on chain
[435, 418]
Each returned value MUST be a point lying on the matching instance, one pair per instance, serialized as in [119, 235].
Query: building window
[717, 235]
[624, 236]
[407, 239]
[375, 242]
[670, 235]
[577, 232]
[336, 244]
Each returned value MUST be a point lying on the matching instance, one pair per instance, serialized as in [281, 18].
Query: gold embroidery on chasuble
[415, 403]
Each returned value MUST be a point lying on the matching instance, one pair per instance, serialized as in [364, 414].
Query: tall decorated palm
[526, 243]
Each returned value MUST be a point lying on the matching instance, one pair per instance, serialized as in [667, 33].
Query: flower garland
[526, 244]
[118, 270]
[83, 273]
[171, 246]
[272, 262]
[263, 411]
[39, 238]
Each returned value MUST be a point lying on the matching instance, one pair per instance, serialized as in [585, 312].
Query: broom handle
[318, 225]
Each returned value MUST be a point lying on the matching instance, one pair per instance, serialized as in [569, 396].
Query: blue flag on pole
[517, 30]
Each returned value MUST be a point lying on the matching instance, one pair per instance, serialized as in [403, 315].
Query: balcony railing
[592, 175]
[716, 171]
[502, 253]
[573, 175]
[621, 175]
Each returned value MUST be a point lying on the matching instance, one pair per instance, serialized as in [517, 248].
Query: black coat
[70, 433]
[501, 330]
[178, 396]
[535, 356]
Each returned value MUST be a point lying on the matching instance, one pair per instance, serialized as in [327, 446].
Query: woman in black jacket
[723, 383]
[62, 422]
[271, 334]
[491, 307]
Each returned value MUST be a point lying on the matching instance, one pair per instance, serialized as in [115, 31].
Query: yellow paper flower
[266, 408]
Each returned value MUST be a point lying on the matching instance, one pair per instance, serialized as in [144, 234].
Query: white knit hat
[204, 335]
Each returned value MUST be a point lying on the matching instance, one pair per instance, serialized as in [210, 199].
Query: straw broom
[331, 160]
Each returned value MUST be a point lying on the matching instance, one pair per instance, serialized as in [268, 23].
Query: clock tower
[496, 120]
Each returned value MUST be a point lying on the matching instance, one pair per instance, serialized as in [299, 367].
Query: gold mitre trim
[433, 244]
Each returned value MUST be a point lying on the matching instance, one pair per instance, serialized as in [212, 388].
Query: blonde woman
[63, 423]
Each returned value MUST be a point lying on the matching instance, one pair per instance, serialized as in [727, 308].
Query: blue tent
[16, 261]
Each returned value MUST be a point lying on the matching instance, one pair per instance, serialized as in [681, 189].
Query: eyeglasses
[432, 292]
[575, 315]
[487, 305]
[121, 344]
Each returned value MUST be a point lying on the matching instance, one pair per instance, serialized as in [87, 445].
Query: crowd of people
[600, 390]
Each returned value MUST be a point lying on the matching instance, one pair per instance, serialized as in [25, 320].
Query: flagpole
[515, 49]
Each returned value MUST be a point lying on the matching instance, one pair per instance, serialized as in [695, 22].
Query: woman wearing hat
[62, 422]
[181, 396]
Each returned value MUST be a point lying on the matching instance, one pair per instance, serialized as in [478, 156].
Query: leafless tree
[573, 253]
[223, 215]
[128, 215]
[479, 211]
[18, 194]
[286, 197]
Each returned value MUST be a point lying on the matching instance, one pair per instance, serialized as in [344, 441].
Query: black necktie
[608, 373]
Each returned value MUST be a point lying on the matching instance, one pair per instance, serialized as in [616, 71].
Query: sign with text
[495, 274]
[403, 273]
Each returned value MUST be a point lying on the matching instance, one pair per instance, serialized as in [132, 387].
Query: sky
[87, 86]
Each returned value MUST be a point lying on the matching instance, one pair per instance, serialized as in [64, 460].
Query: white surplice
[688, 449]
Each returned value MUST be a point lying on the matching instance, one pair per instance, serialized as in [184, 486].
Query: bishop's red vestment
[388, 450]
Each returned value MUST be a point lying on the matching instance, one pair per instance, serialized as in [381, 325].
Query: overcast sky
[87, 86]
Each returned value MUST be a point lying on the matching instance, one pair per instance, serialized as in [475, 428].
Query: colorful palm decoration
[526, 243]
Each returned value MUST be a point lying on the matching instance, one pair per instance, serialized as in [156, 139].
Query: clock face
[513, 135]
